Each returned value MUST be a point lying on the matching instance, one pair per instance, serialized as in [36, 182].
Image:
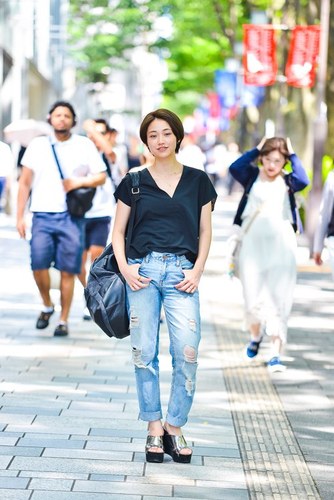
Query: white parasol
[23, 131]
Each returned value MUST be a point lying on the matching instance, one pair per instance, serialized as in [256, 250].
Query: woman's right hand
[133, 278]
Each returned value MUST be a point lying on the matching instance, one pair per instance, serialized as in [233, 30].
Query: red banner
[259, 56]
[302, 58]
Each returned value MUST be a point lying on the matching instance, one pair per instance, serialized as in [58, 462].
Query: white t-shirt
[6, 160]
[78, 157]
[192, 156]
[103, 201]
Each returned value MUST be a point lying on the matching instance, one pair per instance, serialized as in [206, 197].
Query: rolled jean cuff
[176, 422]
[150, 416]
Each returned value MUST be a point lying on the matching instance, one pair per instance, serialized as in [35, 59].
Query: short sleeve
[123, 192]
[207, 192]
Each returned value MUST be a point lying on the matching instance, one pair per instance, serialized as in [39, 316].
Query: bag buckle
[135, 190]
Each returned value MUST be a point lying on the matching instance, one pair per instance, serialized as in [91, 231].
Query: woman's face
[273, 163]
[161, 140]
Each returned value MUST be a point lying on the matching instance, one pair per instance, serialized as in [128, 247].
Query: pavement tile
[107, 477]
[21, 451]
[123, 488]
[210, 493]
[89, 454]
[75, 465]
[9, 473]
[72, 495]
[15, 494]
[190, 471]
[4, 461]
[13, 483]
[51, 443]
[30, 410]
[51, 484]
[13, 419]
[54, 475]
[7, 440]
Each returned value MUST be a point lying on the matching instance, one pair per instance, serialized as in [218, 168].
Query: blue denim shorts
[56, 240]
[96, 231]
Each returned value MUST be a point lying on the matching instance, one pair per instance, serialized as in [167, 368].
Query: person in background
[57, 238]
[169, 247]
[231, 155]
[267, 259]
[324, 232]
[6, 174]
[133, 151]
[190, 154]
[97, 220]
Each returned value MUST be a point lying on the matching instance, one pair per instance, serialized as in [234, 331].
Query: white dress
[268, 257]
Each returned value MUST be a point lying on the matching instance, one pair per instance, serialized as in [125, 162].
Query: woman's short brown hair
[168, 116]
[275, 144]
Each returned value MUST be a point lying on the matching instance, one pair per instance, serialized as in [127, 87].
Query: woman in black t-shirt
[169, 246]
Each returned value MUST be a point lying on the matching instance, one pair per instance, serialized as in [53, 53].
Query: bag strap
[255, 214]
[57, 161]
[135, 195]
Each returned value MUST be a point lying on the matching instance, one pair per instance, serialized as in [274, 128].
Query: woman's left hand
[289, 145]
[190, 282]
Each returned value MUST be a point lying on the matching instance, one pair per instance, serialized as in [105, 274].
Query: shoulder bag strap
[57, 161]
[135, 195]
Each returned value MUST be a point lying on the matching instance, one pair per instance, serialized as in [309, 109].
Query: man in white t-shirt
[6, 171]
[57, 237]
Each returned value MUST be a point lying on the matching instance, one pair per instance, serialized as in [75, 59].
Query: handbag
[234, 242]
[105, 292]
[79, 200]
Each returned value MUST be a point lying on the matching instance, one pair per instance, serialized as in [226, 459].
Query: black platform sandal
[154, 442]
[173, 445]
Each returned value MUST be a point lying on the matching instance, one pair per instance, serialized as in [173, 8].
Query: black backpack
[105, 292]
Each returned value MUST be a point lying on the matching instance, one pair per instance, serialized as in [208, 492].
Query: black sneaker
[61, 331]
[86, 315]
[43, 319]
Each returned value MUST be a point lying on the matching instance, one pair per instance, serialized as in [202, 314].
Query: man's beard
[63, 131]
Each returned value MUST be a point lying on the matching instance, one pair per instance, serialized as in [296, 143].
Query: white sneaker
[276, 365]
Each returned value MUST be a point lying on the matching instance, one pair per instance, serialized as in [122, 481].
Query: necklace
[167, 180]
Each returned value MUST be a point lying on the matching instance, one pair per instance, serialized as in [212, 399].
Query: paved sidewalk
[68, 410]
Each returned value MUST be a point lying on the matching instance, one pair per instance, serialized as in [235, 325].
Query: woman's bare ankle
[155, 428]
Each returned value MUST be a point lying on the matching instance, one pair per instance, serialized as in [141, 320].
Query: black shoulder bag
[105, 292]
[79, 200]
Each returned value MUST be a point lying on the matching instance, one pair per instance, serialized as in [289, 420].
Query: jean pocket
[135, 261]
[186, 263]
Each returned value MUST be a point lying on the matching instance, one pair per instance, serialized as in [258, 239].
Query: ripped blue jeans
[183, 321]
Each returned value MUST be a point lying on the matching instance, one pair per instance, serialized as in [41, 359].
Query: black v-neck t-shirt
[163, 223]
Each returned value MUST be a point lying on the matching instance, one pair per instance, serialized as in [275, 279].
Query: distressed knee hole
[134, 321]
[136, 357]
[190, 354]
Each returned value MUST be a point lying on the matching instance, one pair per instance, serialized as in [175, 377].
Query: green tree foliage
[102, 33]
[204, 34]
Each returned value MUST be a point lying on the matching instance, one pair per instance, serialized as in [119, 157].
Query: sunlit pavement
[69, 412]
